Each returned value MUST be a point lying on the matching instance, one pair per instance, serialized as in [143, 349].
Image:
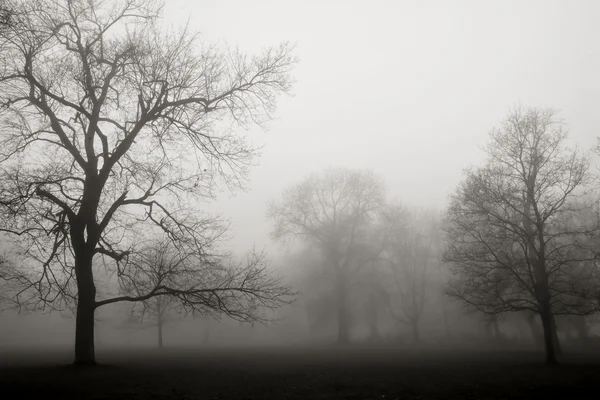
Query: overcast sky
[409, 89]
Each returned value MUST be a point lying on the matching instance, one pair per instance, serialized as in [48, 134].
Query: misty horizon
[269, 199]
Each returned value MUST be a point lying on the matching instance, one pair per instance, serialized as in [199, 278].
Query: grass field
[300, 373]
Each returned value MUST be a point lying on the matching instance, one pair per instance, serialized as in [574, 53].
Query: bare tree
[159, 309]
[109, 126]
[186, 281]
[160, 265]
[335, 211]
[515, 237]
[411, 249]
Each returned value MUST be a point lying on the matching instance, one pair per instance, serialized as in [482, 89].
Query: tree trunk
[549, 342]
[86, 305]
[537, 254]
[342, 312]
[160, 332]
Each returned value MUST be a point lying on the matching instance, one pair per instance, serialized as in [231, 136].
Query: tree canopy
[113, 126]
[520, 229]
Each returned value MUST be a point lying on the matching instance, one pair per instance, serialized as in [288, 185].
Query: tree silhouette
[336, 211]
[112, 125]
[520, 231]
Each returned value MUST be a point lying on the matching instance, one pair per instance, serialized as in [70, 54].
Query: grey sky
[409, 89]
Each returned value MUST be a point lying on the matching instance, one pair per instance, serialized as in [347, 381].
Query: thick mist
[320, 198]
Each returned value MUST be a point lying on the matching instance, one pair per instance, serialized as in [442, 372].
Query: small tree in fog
[167, 278]
[110, 126]
[518, 229]
[159, 310]
[159, 266]
[336, 211]
[412, 248]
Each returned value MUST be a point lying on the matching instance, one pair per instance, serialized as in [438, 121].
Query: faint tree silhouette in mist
[337, 212]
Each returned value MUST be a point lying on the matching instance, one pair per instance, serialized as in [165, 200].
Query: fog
[409, 89]
[392, 103]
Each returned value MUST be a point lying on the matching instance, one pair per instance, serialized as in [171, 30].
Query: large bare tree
[516, 239]
[335, 211]
[111, 124]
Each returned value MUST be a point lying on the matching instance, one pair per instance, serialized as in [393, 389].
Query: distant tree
[514, 236]
[412, 247]
[110, 126]
[310, 275]
[160, 265]
[335, 211]
[372, 299]
[156, 312]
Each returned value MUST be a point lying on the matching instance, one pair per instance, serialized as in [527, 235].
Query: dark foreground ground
[300, 373]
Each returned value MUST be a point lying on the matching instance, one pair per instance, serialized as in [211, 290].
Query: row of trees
[113, 131]
[521, 234]
[363, 241]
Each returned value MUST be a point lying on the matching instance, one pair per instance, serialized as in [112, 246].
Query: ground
[300, 373]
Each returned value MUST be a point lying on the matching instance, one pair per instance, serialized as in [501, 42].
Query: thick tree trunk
[549, 343]
[84, 335]
[84, 237]
[342, 312]
[86, 305]
[84, 332]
